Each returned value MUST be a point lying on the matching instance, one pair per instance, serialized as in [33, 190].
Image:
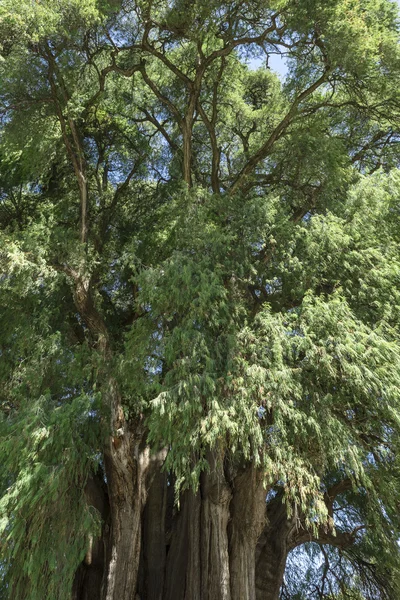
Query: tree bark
[126, 465]
[216, 497]
[126, 458]
[177, 558]
[283, 533]
[272, 551]
[198, 558]
[225, 543]
[248, 512]
[130, 470]
[90, 577]
[154, 539]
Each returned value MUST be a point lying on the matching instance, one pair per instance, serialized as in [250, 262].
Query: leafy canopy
[237, 238]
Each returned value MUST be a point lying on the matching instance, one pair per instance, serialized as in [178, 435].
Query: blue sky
[277, 63]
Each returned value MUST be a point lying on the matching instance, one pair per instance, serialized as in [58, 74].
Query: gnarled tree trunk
[216, 496]
[181, 545]
[248, 512]
[126, 457]
[154, 549]
[272, 551]
[91, 575]
[226, 542]
[198, 557]
[126, 465]
[130, 470]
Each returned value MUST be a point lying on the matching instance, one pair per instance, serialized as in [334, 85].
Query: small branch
[160, 126]
[170, 65]
[171, 107]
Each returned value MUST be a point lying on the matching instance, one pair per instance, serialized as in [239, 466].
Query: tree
[199, 297]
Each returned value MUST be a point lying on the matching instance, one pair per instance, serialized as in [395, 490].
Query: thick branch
[163, 99]
[160, 126]
[210, 126]
[74, 147]
[264, 150]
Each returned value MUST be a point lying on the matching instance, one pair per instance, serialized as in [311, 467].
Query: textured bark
[127, 460]
[272, 550]
[193, 577]
[282, 533]
[248, 521]
[198, 558]
[154, 539]
[177, 558]
[216, 497]
[126, 464]
[90, 577]
[225, 543]
[270, 573]
[130, 471]
[183, 571]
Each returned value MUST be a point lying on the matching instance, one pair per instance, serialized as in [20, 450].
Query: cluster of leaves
[261, 319]
[50, 442]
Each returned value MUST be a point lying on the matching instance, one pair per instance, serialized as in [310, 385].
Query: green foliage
[253, 310]
[49, 453]
[32, 21]
[50, 430]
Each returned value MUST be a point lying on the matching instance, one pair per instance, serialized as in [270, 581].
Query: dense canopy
[199, 300]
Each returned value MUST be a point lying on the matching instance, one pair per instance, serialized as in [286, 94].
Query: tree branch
[263, 151]
[74, 148]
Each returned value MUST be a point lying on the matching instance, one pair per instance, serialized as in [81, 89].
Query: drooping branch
[326, 532]
[163, 99]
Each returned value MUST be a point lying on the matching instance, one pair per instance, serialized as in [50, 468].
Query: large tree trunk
[154, 540]
[213, 543]
[248, 512]
[198, 557]
[130, 471]
[212, 550]
[91, 575]
[270, 567]
[216, 497]
[126, 459]
[126, 465]
[178, 548]
[183, 567]
[272, 551]
[225, 543]
[282, 533]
